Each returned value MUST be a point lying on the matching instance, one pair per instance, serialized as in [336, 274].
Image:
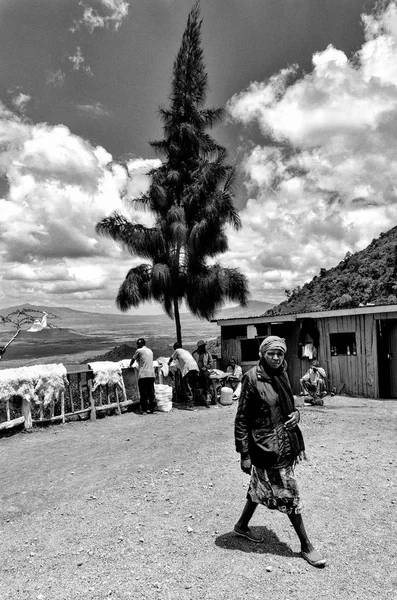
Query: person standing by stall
[144, 357]
[204, 362]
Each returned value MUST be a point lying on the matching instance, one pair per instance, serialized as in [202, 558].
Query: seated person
[313, 384]
[234, 376]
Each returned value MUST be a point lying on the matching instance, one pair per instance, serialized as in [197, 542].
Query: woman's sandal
[248, 534]
[314, 558]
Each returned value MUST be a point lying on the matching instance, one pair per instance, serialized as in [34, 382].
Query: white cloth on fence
[162, 362]
[107, 373]
[38, 383]
[125, 363]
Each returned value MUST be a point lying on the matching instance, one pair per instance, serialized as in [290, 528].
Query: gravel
[144, 506]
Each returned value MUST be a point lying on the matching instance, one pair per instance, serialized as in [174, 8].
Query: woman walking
[270, 443]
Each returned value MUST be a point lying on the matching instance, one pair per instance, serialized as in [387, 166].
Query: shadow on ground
[271, 543]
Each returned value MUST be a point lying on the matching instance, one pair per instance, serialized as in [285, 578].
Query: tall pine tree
[191, 198]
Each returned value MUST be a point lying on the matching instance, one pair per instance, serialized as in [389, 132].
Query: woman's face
[274, 358]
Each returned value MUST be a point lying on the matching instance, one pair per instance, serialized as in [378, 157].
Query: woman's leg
[297, 524]
[247, 513]
[241, 527]
[312, 556]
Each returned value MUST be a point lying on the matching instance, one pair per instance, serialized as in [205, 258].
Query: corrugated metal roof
[319, 313]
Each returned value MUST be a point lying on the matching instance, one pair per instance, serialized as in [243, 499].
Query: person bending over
[189, 371]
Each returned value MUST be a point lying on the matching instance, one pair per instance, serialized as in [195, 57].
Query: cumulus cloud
[60, 186]
[324, 181]
[20, 101]
[55, 78]
[93, 110]
[104, 13]
[77, 59]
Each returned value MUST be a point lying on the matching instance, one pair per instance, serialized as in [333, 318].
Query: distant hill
[69, 317]
[365, 277]
[63, 312]
[253, 309]
[27, 305]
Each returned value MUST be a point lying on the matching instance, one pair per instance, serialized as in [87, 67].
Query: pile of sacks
[163, 394]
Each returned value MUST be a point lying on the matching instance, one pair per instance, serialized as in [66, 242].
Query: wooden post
[27, 414]
[80, 384]
[71, 398]
[123, 392]
[92, 401]
[63, 406]
[116, 393]
[13, 423]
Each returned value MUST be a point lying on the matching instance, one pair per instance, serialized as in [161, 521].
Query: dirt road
[144, 507]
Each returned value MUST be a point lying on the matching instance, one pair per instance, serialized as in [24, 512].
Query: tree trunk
[4, 348]
[177, 322]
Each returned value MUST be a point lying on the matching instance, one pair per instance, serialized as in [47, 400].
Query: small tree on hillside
[190, 196]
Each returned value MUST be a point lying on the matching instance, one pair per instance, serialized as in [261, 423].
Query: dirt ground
[144, 506]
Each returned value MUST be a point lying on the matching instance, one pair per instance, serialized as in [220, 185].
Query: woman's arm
[241, 428]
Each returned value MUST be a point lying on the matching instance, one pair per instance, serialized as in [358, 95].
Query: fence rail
[78, 401]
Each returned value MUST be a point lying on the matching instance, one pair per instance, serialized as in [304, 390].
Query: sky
[310, 91]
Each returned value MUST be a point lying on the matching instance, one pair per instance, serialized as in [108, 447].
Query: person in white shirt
[189, 371]
[235, 372]
[234, 376]
[144, 357]
[313, 384]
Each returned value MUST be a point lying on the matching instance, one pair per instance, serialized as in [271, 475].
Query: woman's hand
[246, 465]
[293, 420]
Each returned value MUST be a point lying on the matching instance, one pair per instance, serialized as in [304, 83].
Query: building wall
[358, 374]
[353, 375]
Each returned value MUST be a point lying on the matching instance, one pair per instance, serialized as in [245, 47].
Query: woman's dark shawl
[281, 385]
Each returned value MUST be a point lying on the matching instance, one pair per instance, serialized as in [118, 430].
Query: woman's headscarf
[273, 342]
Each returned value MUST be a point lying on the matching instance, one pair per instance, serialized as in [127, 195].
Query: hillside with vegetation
[365, 277]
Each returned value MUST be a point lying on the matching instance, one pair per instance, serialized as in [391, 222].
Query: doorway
[387, 358]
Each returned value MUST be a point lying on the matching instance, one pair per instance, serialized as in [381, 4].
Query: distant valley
[79, 335]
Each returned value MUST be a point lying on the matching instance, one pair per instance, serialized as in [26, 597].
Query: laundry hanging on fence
[107, 373]
[38, 383]
[125, 363]
[162, 362]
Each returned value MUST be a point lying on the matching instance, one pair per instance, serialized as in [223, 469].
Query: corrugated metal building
[357, 347]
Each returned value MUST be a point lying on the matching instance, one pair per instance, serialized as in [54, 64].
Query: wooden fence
[78, 402]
